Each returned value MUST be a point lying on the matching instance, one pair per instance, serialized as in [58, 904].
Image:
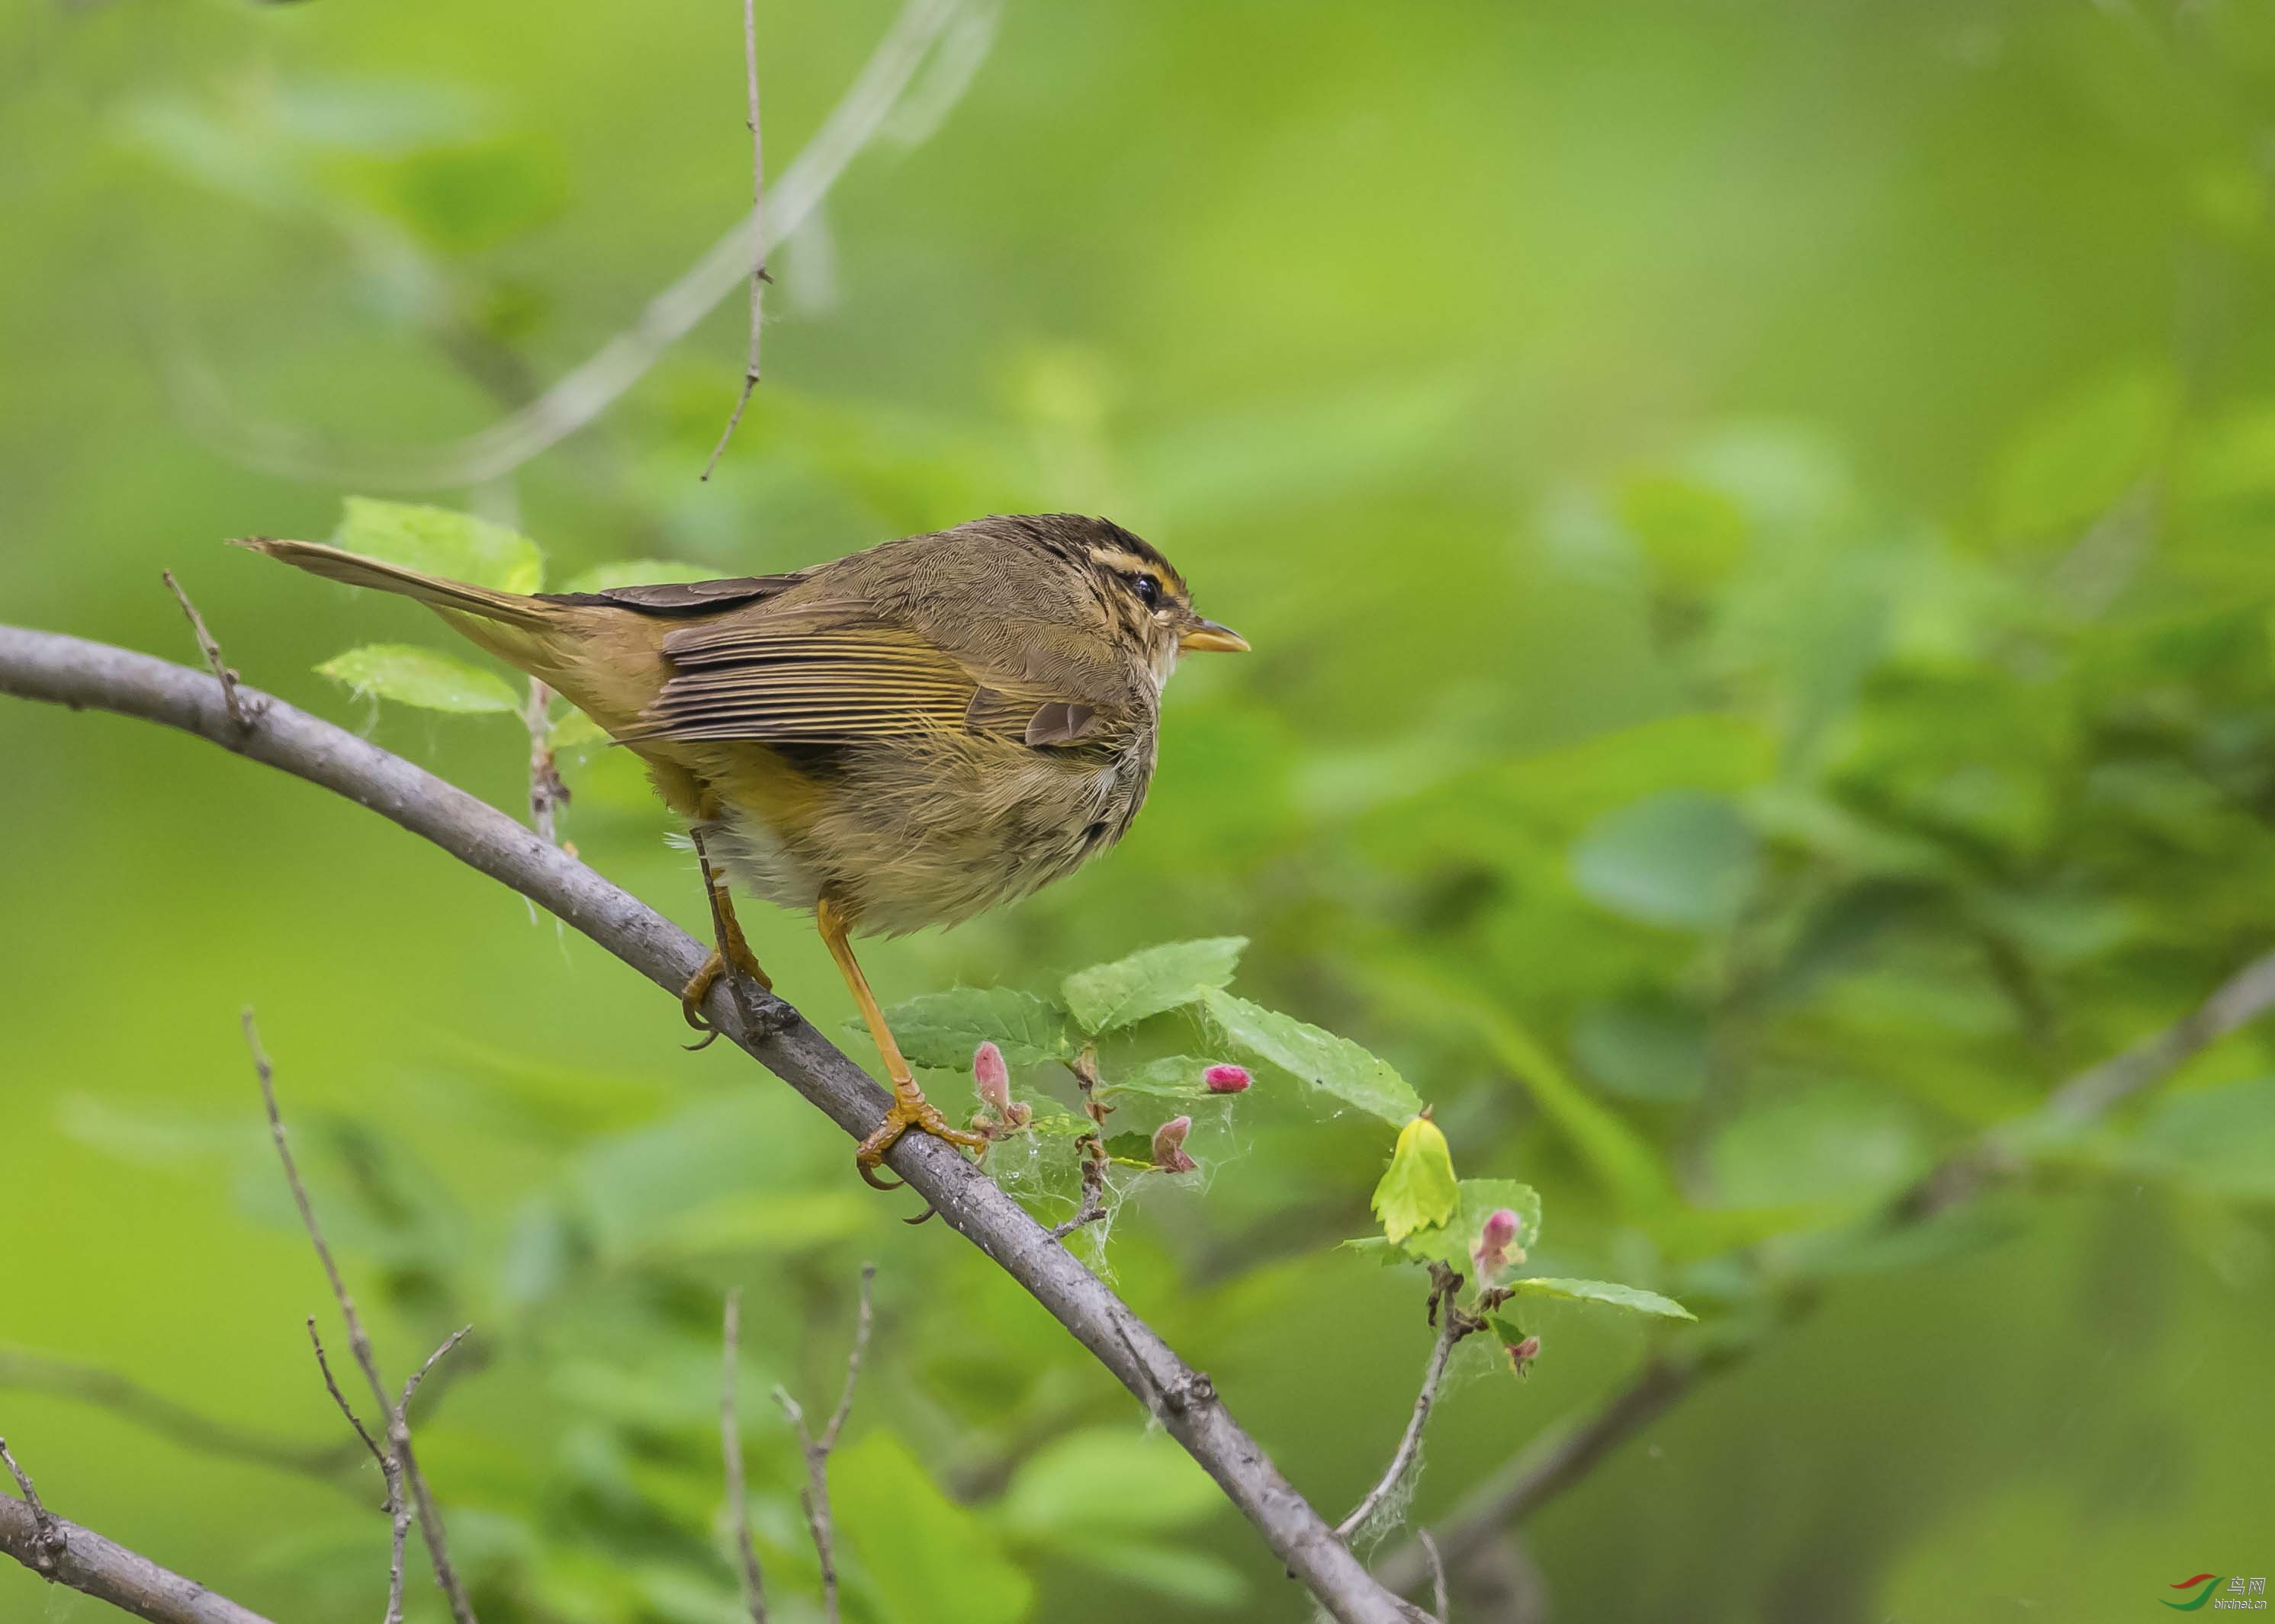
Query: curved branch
[70, 671]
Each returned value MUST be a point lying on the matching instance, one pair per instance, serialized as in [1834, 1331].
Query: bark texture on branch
[96, 1567]
[73, 672]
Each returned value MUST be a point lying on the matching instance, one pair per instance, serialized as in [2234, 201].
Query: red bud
[1169, 1146]
[1496, 1246]
[1225, 1079]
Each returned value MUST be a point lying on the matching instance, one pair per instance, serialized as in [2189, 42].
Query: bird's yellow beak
[1209, 637]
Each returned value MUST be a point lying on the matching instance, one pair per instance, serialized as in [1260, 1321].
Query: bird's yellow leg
[910, 1109]
[726, 929]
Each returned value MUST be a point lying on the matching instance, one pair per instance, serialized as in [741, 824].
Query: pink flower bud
[1520, 1354]
[1225, 1079]
[993, 1076]
[1169, 1146]
[1496, 1243]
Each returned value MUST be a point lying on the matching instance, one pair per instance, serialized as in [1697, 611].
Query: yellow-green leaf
[1419, 1191]
[412, 676]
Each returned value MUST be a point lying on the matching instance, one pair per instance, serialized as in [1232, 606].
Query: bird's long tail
[483, 602]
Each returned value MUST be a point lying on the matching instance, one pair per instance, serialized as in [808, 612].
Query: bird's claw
[910, 1109]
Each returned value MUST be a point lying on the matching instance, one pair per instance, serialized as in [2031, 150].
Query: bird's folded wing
[785, 679]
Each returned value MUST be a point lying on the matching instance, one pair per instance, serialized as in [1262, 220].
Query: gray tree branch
[65, 1553]
[81, 674]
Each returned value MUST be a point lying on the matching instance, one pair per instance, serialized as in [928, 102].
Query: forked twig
[1453, 1326]
[759, 278]
[730, 1447]
[398, 1429]
[815, 1496]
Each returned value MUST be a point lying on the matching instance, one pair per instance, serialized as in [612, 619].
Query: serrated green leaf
[1168, 977]
[409, 674]
[1336, 1066]
[1451, 1243]
[439, 542]
[1418, 1190]
[1634, 1298]
[635, 573]
[941, 1030]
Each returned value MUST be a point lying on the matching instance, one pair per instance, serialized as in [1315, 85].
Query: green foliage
[1334, 1066]
[1630, 1297]
[941, 1030]
[908, 1536]
[438, 541]
[1150, 983]
[420, 676]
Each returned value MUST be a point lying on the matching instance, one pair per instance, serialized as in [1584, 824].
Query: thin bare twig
[53, 1544]
[1453, 1326]
[398, 1513]
[71, 671]
[759, 278]
[730, 1447]
[1442, 1608]
[917, 35]
[815, 1496]
[341, 1398]
[398, 1429]
[211, 650]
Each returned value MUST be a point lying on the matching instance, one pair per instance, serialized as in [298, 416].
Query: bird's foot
[699, 985]
[910, 1109]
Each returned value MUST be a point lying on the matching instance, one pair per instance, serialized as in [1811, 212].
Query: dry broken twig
[759, 278]
[815, 1496]
[50, 1544]
[547, 794]
[211, 650]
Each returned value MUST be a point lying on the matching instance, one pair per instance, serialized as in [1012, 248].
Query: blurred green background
[1758, 524]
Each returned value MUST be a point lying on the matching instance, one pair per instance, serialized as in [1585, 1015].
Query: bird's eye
[1148, 590]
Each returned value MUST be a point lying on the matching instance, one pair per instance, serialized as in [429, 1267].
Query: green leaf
[1683, 858]
[931, 1561]
[1169, 977]
[439, 542]
[1334, 1065]
[1633, 1298]
[1419, 1190]
[1451, 1243]
[635, 573]
[1175, 1077]
[941, 1030]
[2084, 453]
[1107, 1480]
[420, 676]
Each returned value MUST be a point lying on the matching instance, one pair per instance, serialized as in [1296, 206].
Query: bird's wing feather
[792, 678]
